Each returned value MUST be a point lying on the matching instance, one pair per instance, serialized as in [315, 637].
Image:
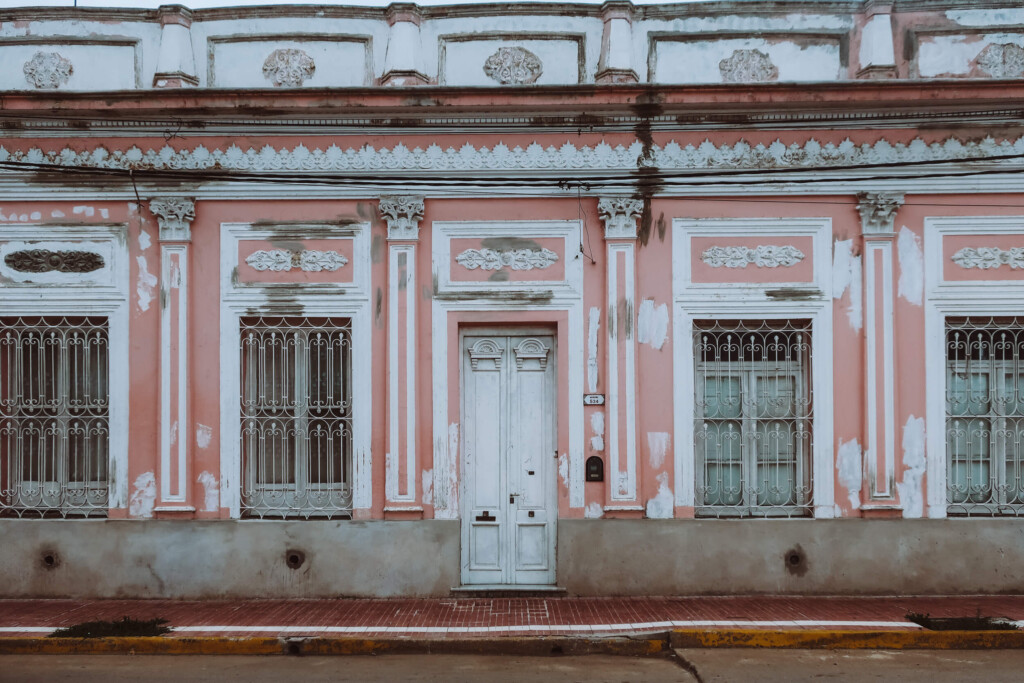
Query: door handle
[512, 498]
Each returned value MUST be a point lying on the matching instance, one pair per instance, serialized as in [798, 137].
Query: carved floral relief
[516, 259]
[288, 67]
[45, 260]
[513, 66]
[748, 66]
[988, 258]
[1002, 60]
[762, 256]
[47, 70]
[309, 260]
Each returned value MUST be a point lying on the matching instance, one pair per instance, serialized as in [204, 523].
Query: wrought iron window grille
[54, 416]
[985, 416]
[753, 418]
[296, 416]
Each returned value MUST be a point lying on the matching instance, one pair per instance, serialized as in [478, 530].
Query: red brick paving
[468, 617]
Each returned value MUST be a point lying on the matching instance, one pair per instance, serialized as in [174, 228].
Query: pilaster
[616, 62]
[878, 212]
[401, 465]
[402, 59]
[877, 49]
[620, 215]
[175, 67]
[174, 217]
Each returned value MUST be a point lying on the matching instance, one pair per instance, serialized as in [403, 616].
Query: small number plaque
[593, 399]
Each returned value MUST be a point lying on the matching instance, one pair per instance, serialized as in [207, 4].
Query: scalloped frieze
[989, 258]
[514, 259]
[568, 157]
[283, 260]
[762, 256]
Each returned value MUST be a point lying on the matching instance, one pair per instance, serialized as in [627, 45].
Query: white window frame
[754, 301]
[350, 299]
[103, 292]
[957, 298]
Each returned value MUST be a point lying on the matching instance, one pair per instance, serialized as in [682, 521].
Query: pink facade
[506, 315]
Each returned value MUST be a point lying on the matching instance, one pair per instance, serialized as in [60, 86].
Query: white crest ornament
[1002, 60]
[988, 258]
[748, 66]
[762, 256]
[513, 66]
[515, 259]
[309, 260]
[47, 70]
[288, 67]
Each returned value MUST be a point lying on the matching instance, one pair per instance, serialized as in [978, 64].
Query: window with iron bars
[753, 418]
[54, 416]
[985, 416]
[296, 416]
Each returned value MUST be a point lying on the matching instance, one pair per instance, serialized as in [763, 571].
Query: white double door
[509, 422]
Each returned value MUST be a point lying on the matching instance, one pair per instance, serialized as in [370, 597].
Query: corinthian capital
[878, 211]
[174, 216]
[403, 214]
[619, 215]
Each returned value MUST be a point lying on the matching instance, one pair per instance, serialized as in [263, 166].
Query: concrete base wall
[229, 559]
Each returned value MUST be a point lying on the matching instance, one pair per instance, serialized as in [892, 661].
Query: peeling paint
[657, 442]
[104, 213]
[174, 432]
[428, 487]
[144, 496]
[911, 286]
[203, 435]
[87, 210]
[986, 17]
[452, 507]
[576, 483]
[593, 511]
[660, 507]
[563, 469]
[211, 495]
[597, 424]
[147, 281]
[849, 465]
[35, 215]
[910, 489]
[847, 275]
[652, 324]
[57, 213]
[145, 241]
[593, 325]
[390, 483]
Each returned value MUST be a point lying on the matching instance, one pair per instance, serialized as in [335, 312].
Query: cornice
[529, 159]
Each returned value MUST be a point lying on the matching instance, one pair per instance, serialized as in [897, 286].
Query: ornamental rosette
[514, 259]
[748, 66]
[989, 258]
[47, 70]
[288, 67]
[762, 256]
[1002, 60]
[45, 260]
[283, 260]
[513, 66]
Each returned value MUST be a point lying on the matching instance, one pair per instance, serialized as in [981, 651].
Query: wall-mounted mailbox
[595, 468]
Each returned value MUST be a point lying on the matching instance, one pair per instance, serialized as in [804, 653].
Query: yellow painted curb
[836, 640]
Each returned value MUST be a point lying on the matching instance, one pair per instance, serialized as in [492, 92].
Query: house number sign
[593, 399]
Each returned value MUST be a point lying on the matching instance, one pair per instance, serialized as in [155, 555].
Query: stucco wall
[210, 559]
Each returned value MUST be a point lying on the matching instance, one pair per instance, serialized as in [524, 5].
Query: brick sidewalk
[462, 618]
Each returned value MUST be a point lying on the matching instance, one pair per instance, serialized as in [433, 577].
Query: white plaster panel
[94, 66]
[462, 61]
[697, 61]
[955, 55]
[986, 17]
[239, 63]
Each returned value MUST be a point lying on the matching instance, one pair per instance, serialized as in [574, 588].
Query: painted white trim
[957, 298]
[875, 385]
[174, 457]
[392, 491]
[747, 300]
[547, 296]
[344, 299]
[109, 297]
[626, 394]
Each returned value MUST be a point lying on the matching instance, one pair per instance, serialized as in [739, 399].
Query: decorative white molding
[485, 349]
[309, 260]
[878, 211]
[401, 374]
[987, 258]
[531, 349]
[403, 214]
[1002, 60]
[762, 256]
[288, 67]
[174, 217]
[619, 215]
[748, 66]
[516, 259]
[513, 66]
[533, 157]
[47, 70]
